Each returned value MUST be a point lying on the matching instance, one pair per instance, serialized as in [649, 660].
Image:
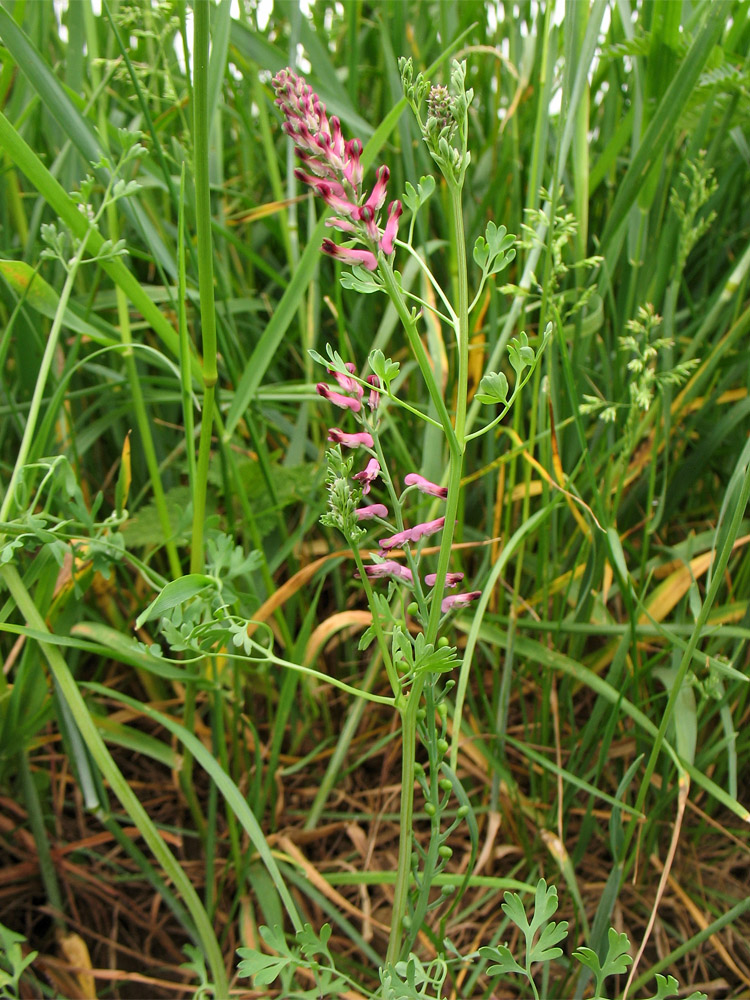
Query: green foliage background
[625, 597]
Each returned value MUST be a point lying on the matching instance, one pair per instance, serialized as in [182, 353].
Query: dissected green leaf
[176, 592]
[414, 199]
[493, 389]
[503, 961]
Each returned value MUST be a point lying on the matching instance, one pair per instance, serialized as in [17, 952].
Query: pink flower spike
[389, 568]
[377, 197]
[412, 534]
[425, 486]
[365, 258]
[368, 475]
[338, 398]
[373, 510]
[338, 436]
[451, 579]
[374, 398]
[391, 229]
[458, 600]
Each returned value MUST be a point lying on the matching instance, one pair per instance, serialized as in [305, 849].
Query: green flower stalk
[330, 166]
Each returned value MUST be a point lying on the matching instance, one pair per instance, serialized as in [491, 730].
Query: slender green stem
[457, 440]
[403, 870]
[431, 278]
[141, 415]
[41, 381]
[379, 634]
[36, 821]
[201, 126]
[415, 343]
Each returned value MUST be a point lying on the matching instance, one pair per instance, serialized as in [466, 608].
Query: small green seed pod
[445, 852]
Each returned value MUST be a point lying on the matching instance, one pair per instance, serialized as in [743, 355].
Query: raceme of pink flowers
[331, 167]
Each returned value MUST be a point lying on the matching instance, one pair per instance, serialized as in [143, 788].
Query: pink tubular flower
[459, 600]
[391, 229]
[346, 383]
[377, 197]
[425, 486]
[348, 256]
[338, 398]
[412, 534]
[368, 475]
[333, 169]
[338, 436]
[373, 400]
[389, 568]
[373, 510]
[451, 579]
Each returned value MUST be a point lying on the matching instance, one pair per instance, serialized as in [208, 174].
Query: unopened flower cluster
[349, 395]
[331, 167]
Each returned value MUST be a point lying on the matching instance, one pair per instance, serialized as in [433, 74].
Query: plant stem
[403, 870]
[41, 381]
[457, 444]
[201, 127]
[209, 373]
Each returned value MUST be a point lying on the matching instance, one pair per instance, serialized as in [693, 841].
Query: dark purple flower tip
[370, 511]
[338, 398]
[389, 568]
[337, 436]
[364, 258]
[451, 579]
[425, 486]
[412, 534]
[458, 600]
